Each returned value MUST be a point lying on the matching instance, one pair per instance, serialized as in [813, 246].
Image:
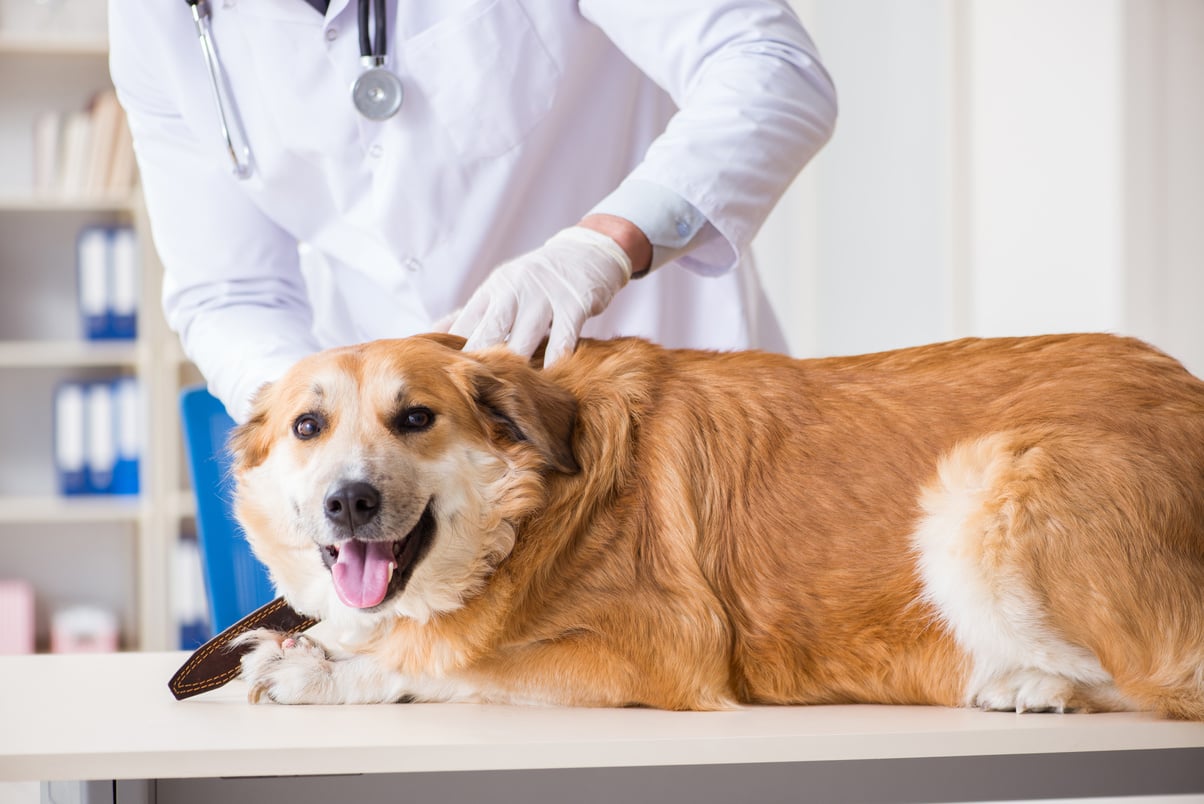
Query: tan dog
[1009, 524]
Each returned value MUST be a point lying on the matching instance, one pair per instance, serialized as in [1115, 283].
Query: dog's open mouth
[366, 573]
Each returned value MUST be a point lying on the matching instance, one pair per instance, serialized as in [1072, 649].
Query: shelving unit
[113, 551]
[32, 354]
[21, 43]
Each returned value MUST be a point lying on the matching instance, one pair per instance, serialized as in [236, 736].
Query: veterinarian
[324, 175]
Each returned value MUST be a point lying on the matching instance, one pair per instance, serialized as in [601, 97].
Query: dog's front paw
[285, 669]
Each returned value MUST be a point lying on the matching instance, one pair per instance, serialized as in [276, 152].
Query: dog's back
[1011, 523]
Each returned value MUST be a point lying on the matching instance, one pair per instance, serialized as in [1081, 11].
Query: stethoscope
[377, 92]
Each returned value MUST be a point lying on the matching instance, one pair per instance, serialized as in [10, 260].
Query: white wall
[1044, 107]
[1164, 175]
[877, 261]
[999, 168]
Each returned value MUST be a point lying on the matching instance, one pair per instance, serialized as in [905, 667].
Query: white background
[999, 168]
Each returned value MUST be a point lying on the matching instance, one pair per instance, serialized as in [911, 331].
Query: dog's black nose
[351, 505]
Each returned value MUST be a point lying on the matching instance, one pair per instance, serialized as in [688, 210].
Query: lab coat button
[412, 265]
[332, 34]
[375, 151]
[683, 228]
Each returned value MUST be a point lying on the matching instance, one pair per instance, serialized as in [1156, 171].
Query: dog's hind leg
[1107, 530]
[980, 587]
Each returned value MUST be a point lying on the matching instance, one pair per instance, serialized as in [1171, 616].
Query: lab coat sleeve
[232, 286]
[671, 223]
[754, 105]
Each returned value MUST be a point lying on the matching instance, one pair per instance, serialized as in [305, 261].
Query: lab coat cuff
[241, 394]
[671, 223]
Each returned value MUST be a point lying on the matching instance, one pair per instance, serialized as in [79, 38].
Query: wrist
[629, 237]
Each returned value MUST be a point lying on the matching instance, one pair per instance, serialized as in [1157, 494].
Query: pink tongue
[361, 573]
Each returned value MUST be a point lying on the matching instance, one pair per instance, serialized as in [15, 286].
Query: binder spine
[108, 269]
[92, 264]
[70, 426]
[123, 298]
[100, 456]
[128, 420]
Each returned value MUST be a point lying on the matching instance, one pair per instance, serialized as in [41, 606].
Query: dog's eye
[413, 419]
[307, 426]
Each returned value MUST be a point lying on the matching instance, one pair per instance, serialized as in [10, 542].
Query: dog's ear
[249, 442]
[524, 406]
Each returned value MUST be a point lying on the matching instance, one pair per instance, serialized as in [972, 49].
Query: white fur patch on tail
[961, 543]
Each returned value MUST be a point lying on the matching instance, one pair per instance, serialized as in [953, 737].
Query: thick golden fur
[1011, 523]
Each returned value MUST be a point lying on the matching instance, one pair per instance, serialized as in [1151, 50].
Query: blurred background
[1000, 167]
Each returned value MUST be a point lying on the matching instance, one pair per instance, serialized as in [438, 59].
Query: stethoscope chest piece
[377, 93]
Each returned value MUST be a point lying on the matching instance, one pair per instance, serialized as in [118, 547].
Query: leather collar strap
[215, 663]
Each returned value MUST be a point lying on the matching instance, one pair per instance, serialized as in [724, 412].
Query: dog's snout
[351, 505]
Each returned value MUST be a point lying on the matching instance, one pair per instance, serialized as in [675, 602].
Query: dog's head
[386, 479]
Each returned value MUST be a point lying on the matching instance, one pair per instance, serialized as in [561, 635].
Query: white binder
[123, 286]
[100, 454]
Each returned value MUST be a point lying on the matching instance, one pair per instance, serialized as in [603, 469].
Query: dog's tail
[1165, 672]
[1148, 630]
[1174, 694]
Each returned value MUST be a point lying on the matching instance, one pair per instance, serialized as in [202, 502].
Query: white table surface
[112, 717]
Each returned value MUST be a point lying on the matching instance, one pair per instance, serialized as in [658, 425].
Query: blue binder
[236, 582]
[127, 435]
[123, 283]
[107, 267]
[70, 435]
[92, 265]
[100, 452]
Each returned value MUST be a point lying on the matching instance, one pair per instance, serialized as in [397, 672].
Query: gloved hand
[557, 286]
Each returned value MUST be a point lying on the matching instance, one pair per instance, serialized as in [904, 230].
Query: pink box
[16, 617]
[83, 629]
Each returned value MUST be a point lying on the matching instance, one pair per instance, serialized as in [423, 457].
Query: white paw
[1026, 691]
[286, 669]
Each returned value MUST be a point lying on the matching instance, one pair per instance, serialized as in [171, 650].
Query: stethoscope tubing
[366, 94]
[371, 49]
[378, 92]
[200, 19]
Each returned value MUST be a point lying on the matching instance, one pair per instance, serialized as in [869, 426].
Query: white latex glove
[550, 291]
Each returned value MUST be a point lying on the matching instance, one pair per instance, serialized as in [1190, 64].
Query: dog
[1009, 524]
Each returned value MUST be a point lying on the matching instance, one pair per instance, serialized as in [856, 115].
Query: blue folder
[236, 582]
[70, 438]
[127, 415]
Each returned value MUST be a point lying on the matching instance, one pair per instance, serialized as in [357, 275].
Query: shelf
[68, 354]
[56, 54]
[28, 202]
[51, 509]
[175, 353]
[35, 44]
[183, 505]
[55, 509]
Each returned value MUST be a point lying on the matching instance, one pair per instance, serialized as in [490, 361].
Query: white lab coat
[519, 117]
